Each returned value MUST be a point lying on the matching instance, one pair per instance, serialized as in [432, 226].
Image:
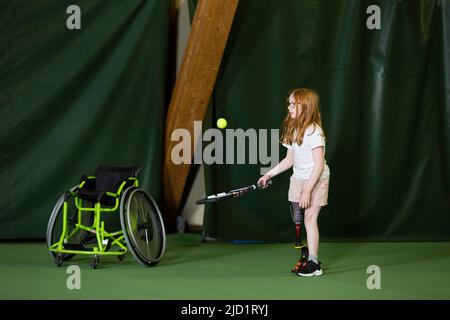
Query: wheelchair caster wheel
[121, 257]
[94, 262]
[59, 259]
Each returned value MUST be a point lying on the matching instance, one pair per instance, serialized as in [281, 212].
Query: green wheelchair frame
[61, 247]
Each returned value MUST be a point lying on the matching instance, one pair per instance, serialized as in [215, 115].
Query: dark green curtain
[75, 99]
[385, 101]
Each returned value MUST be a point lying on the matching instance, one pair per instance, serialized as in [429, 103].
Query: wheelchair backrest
[107, 178]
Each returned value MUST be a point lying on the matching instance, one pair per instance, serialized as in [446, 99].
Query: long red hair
[308, 113]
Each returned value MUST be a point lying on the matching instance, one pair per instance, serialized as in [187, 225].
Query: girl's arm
[318, 157]
[285, 164]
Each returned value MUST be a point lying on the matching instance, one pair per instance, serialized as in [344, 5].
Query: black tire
[55, 224]
[121, 257]
[59, 259]
[142, 226]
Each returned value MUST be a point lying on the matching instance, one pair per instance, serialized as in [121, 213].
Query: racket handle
[269, 182]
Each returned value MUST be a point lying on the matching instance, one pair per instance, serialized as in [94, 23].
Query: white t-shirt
[303, 157]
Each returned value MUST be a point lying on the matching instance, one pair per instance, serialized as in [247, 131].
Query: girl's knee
[309, 222]
[311, 215]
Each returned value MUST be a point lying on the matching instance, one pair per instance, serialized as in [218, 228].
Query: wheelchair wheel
[142, 226]
[55, 226]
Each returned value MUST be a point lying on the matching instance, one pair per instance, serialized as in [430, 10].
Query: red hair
[308, 113]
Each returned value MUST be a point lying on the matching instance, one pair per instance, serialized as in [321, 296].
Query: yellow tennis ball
[221, 123]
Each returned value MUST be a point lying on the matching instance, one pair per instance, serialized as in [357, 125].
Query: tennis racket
[231, 194]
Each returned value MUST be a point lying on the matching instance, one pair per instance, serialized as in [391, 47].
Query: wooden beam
[189, 102]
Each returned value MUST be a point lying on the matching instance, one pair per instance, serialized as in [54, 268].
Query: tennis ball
[221, 123]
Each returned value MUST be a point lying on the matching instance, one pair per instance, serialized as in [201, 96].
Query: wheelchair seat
[108, 177]
[104, 188]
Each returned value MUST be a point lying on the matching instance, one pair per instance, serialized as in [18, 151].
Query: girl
[308, 190]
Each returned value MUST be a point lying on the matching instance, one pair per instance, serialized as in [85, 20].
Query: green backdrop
[75, 99]
[385, 101]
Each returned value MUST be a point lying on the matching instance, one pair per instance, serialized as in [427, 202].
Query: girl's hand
[305, 199]
[263, 180]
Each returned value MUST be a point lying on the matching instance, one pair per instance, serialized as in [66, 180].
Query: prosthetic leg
[297, 214]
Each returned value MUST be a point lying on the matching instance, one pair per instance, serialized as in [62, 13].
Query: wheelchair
[76, 226]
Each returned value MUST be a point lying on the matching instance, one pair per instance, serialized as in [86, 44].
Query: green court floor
[221, 270]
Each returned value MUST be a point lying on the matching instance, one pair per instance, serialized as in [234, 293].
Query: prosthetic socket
[297, 214]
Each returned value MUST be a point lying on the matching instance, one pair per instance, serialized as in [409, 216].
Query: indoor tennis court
[191, 270]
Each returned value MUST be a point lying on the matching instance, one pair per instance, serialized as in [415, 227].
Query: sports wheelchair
[75, 225]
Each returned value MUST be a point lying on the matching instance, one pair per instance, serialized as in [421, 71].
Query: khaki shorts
[319, 195]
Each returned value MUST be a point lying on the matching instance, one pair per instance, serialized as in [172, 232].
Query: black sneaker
[311, 269]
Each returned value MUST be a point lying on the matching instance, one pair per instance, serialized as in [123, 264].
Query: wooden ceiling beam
[211, 26]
